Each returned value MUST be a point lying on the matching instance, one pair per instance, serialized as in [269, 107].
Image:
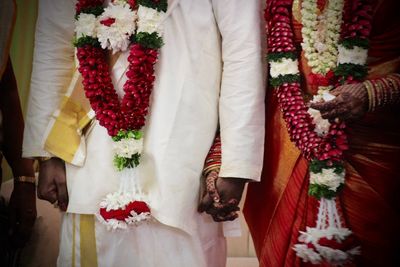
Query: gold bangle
[25, 179]
[368, 86]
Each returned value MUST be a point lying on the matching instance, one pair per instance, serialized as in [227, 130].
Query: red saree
[279, 207]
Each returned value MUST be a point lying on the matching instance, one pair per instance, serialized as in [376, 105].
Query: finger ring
[55, 204]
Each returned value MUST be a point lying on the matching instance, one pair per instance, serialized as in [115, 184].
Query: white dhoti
[86, 242]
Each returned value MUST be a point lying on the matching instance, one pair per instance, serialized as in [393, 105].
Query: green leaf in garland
[281, 79]
[148, 40]
[276, 57]
[127, 134]
[123, 163]
[350, 43]
[86, 40]
[358, 72]
[316, 166]
[322, 191]
[96, 10]
[159, 5]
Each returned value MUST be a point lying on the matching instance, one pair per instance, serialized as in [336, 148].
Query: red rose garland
[123, 119]
[330, 240]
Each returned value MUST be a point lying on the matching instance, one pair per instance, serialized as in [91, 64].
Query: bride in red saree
[278, 208]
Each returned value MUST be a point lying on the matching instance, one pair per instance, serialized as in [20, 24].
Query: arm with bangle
[354, 100]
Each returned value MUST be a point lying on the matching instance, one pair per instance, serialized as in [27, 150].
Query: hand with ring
[351, 103]
[221, 197]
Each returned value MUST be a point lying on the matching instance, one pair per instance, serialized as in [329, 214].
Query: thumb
[205, 203]
[62, 195]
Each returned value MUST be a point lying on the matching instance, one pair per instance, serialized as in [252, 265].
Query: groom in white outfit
[209, 75]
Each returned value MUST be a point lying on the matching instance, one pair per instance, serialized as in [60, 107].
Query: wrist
[25, 179]
[43, 159]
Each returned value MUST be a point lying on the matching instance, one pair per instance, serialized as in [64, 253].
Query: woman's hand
[351, 103]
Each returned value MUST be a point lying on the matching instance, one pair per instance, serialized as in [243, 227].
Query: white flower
[307, 254]
[150, 20]
[116, 36]
[128, 147]
[85, 25]
[357, 55]
[284, 67]
[328, 178]
[321, 125]
[115, 201]
[321, 34]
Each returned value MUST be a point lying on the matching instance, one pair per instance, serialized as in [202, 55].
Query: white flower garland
[126, 21]
[116, 36]
[284, 66]
[321, 34]
[356, 55]
[328, 178]
[86, 25]
[128, 147]
[150, 20]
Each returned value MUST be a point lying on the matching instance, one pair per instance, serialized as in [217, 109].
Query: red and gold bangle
[383, 91]
[213, 160]
[369, 87]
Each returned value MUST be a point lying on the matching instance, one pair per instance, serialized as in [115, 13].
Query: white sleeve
[242, 97]
[53, 64]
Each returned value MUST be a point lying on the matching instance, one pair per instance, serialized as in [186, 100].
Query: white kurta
[209, 73]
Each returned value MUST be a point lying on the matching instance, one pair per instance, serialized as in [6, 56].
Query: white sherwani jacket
[209, 73]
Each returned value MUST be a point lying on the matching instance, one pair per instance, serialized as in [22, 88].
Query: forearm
[52, 70]
[241, 104]
[383, 92]
[13, 124]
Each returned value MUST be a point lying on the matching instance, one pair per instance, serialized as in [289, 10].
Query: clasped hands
[221, 197]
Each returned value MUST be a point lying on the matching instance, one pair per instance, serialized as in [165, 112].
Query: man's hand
[351, 103]
[22, 213]
[52, 182]
[221, 197]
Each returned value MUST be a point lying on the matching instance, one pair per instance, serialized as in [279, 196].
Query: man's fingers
[205, 203]
[49, 195]
[62, 194]
[225, 217]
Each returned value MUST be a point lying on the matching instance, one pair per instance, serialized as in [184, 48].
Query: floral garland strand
[123, 25]
[321, 142]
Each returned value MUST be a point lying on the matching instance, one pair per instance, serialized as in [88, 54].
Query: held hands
[351, 103]
[221, 197]
[52, 182]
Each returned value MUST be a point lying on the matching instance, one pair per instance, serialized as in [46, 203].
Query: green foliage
[86, 40]
[148, 40]
[349, 43]
[322, 191]
[121, 163]
[160, 5]
[316, 166]
[127, 134]
[276, 57]
[281, 79]
[96, 10]
[358, 72]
